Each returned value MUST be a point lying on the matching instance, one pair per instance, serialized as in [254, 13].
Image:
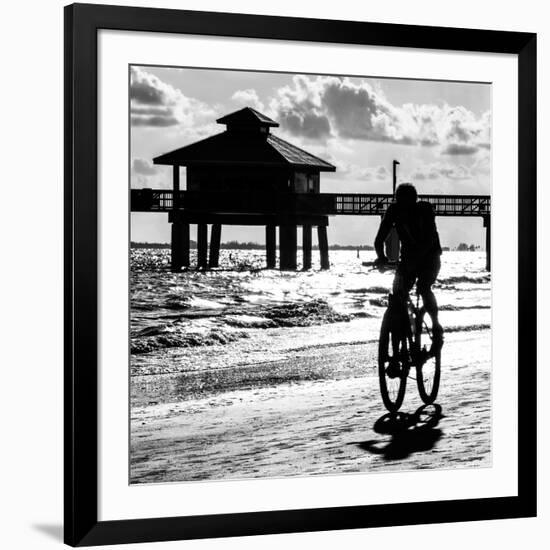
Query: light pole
[392, 241]
[395, 163]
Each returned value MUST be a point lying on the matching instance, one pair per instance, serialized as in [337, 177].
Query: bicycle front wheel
[428, 369]
[393, 364]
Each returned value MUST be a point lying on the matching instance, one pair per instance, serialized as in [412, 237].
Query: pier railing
[355, 204]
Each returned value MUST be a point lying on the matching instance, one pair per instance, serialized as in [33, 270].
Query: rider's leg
[430, 303]
[425, 281]
[403, 281]
[394, 366]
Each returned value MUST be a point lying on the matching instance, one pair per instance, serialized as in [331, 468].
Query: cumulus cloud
[156, 104]
[308, 125]
[320, 108]
[358, 112]
[248, 98]
[300, 110]
[144, 167]
[464, 134]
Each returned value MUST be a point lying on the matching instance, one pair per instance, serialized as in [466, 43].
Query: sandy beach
[316, 412]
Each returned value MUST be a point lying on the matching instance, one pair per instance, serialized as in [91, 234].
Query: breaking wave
[368, 290]
[176, 334]
[461, 279]
[468, 328]
[196, 309]
[189, 340]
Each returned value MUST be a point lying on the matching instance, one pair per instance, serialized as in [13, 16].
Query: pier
[248, 176]
[273, 210]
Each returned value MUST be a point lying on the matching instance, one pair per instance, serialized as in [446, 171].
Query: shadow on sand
[410, 433]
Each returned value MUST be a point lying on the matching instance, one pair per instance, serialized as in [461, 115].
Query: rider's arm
[383, 232]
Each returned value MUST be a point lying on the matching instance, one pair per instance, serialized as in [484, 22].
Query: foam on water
[241, 312]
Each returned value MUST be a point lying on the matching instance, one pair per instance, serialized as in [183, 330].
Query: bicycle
[404, 334]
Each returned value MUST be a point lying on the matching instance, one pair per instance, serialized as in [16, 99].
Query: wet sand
[318, 413]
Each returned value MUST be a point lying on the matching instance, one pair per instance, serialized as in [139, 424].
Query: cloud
[300, 111]
[482, 165]
[439, 171]
[361, 173]
[459, 172]
[470, 177]
[358, 112]
[307, 125]
[460, 149]
[156, 104]
[159, 121]
[464, 133]
[145, 174]
[144, 167]
[382, 173]
[320, 108]
[422, 175]
[248, 98]
[472, 174]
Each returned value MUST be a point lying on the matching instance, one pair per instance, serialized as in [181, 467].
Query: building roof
[298, 157]
[247, 116]
[245, 149]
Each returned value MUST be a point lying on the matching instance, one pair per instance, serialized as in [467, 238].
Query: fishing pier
[248, 176]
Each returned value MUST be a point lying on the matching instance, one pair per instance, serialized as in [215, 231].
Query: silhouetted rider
[420, 258]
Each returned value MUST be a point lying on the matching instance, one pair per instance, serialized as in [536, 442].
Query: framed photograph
[300, 266]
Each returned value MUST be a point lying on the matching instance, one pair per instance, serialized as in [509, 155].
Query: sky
[439, 131]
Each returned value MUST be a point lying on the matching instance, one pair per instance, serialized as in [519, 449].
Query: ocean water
[242, 314]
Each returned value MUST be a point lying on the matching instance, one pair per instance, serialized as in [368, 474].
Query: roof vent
[248, 120]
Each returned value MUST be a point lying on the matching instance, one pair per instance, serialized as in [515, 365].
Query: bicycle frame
[409, 316]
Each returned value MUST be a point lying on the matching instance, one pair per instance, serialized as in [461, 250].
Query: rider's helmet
[405, 194]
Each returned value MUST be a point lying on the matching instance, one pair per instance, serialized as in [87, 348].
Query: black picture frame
[82, 23]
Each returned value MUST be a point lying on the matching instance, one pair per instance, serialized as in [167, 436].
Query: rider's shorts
[423, 273]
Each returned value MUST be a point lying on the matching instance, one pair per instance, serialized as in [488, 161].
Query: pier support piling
[288, 235]
[176, 186]
[487, 225]
[306, 246]
[179, 246]
[215, 237]
[323, 246]
[271, 246]
[202, 245]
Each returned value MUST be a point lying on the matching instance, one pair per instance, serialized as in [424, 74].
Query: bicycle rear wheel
[393, 366]
[428, 369]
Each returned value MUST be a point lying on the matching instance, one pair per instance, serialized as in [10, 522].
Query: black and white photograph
[273, 275]
[310, 274]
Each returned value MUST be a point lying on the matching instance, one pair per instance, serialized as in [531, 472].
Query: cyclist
[420, 258]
